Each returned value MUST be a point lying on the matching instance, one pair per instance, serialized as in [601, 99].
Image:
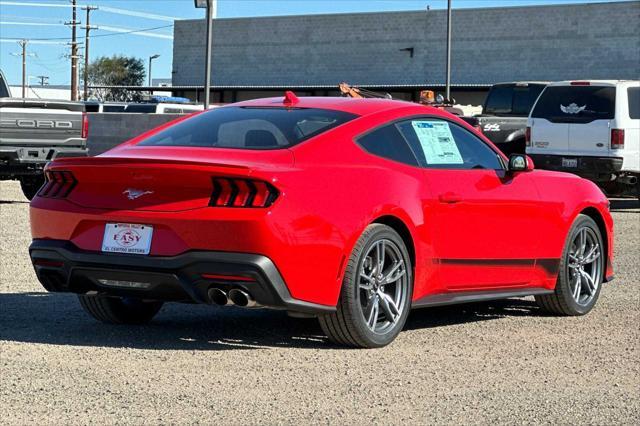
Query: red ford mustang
[351, 210]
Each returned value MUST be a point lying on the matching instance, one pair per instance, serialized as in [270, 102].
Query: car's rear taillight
[58, 184]
[527, 136]
[580, 83]
[232, 192]
[617, 138]
[85, 126]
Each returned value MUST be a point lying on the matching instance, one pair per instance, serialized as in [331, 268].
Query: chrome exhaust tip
[219, 297]
[241, 298]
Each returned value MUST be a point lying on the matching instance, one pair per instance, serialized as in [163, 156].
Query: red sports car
[351, 210]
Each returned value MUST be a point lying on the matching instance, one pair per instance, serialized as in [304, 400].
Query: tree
[116, 71]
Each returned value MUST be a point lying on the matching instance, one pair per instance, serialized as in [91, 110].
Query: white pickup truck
[36, 131]
[590, 128]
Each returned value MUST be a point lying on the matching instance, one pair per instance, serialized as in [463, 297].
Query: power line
[115, 10]
[93, 36]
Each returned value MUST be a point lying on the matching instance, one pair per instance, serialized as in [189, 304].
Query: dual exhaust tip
[235, 296]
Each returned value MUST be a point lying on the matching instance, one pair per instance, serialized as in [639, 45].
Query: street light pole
[448, 83]
[207, 67]
[211, 6]
[151, 58]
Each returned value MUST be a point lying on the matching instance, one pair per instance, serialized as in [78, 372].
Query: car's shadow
[58, 319]
[623, 205]
[13, 202]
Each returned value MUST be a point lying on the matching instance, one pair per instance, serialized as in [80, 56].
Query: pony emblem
[133, 194]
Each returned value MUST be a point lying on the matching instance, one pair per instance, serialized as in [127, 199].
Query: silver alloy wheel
[382, 286]
[585, 266]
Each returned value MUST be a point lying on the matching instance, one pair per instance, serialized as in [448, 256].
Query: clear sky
[44, 20]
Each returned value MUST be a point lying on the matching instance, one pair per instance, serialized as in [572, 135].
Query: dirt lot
[502, 362]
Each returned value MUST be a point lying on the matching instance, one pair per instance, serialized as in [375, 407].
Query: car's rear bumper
[597, 169]
[62, 267]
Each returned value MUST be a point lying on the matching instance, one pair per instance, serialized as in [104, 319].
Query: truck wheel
[31, 185]
[119, 310]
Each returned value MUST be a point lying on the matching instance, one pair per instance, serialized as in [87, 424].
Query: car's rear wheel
[375, 298]
[31, 185]
[119, 310]
[581, 271]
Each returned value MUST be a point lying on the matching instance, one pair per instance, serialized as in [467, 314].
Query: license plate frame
[570, 163]
[127, 238]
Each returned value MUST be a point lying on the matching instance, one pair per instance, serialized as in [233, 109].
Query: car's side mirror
[520, 163]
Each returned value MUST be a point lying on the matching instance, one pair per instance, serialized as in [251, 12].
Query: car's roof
[594, 82]
[350, 105]
[524, 82]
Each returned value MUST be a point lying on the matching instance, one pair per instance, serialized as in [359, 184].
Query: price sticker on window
[437, 142]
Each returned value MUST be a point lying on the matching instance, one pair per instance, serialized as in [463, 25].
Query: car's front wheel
[375, 298]
[581, 271]
[119, 310]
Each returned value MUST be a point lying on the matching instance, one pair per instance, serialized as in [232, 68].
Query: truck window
[634, 102]
[4, 87]
[576, 104]
[512, 100]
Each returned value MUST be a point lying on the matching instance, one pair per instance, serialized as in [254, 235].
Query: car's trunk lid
[162, 179]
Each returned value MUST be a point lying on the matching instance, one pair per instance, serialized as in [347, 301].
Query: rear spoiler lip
[123, 161]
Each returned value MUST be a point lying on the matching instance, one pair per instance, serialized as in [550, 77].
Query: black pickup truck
[505, 111]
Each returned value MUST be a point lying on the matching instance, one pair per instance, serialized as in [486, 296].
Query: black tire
[347, 326]
[117, 310]
[31, 185]
[562, 302]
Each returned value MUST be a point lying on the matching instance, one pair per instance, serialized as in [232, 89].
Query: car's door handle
[450, 198]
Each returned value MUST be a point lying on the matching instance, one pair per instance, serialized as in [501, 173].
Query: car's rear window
[141, 108]
[250, 128]
[634, 102]
[576, 104]
[512, 100]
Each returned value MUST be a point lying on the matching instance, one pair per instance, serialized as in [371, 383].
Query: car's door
[486, 232]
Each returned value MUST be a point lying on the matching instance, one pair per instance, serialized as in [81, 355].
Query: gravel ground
[502, 362]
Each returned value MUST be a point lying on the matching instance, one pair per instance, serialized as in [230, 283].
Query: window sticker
[437, 142]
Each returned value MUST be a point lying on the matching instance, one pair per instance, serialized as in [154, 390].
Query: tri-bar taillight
[58, 184]
[235, 192]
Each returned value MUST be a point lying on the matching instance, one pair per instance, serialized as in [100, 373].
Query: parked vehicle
[162, 108]
[34, 132]
[505, 111]
[5, 91]
[351, 210]
[592, 129]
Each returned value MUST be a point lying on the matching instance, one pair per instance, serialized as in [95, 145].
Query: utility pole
[24, 54]
[74, 52]
[87, 28]
[44, 79]
[23, 44]
[448, 84]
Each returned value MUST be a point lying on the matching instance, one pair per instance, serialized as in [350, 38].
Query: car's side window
[445, 145]
[387, 142]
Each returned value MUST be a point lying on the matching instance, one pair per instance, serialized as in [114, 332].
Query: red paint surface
[470, 230]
